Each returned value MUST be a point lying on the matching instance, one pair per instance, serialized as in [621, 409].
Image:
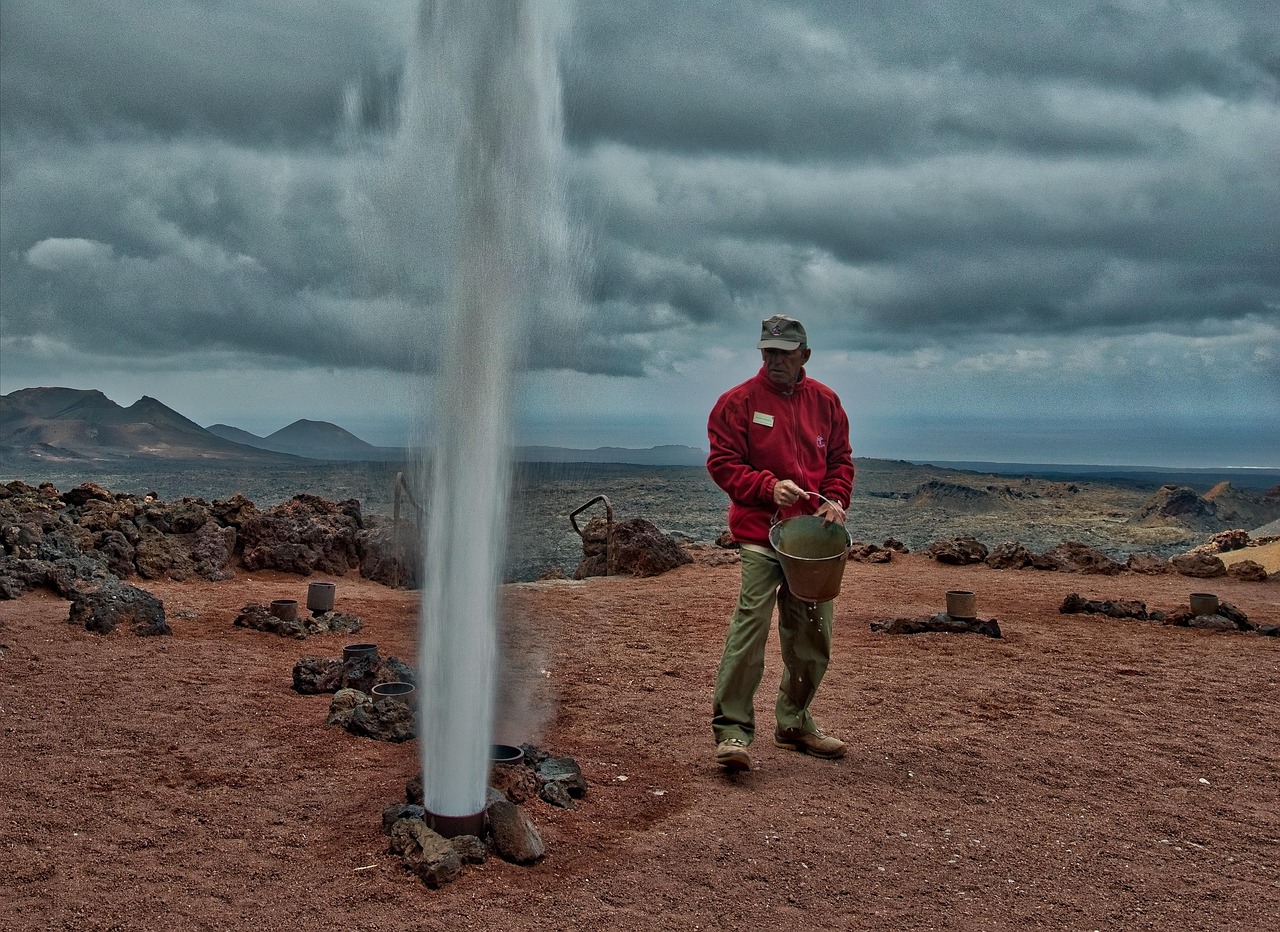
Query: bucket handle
[777, 515]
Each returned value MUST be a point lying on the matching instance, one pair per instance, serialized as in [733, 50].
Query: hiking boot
[810, 742]
[731, 754]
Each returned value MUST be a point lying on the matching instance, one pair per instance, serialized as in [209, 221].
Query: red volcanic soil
[1079, 773]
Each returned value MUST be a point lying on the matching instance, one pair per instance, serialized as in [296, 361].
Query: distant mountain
[70, 425]
[236, 435]
[313, 439]
[65, 424]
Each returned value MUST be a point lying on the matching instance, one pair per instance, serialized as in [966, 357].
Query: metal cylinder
[284, 609]
[961, 603]
[352, 651]
[453, 826]
[320, 597]
[1204, 603]
[404, 692]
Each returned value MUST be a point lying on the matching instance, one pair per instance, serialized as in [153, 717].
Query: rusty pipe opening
[454, 826]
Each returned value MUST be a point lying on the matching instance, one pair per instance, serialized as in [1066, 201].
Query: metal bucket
[812, 554]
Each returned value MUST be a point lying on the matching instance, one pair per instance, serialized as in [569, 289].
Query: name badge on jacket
[763, 419]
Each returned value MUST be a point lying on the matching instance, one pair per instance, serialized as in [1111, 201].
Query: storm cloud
[975, 207]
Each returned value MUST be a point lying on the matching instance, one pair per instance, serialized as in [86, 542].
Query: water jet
[483, 97]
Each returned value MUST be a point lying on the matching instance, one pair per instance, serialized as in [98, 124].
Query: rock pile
[1075, 557]
[316, 675]
[1227, 618]
[103, 608]
[67, 541]
[259, 617]
[941, 622]
[386, 719]
[636, 548]
[509, 832]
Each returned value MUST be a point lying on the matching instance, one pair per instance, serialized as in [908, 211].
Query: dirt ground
[1079, 773]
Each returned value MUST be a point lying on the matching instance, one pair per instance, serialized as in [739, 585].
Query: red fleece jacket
[761, 434]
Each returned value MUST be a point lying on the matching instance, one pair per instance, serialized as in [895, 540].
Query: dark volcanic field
[684, 502]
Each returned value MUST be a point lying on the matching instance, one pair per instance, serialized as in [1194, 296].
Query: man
[776, 439]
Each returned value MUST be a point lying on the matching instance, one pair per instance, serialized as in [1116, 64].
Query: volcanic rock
[313, 675]
[384, 720]
[564, 775]
[514, 781]
[1074, 557]
[432, 858]
[1247, 571]
[869, 553]
[102, 609]
[1227, 618]
[66, 576]
[941, 622]
[471, 850]
[234, 511]
[185, 516]
[304, 535]
[157, 556]
[343, 706]
[958, 551]
[258, 617]
[1199, 565]
[1148, 564]
[397, 811]
[361, 672]
[637, 549]
[85, 493]
[116, 551]
[1112, 608]
[514, 836]
[387, 556]
[1214, 622]
[1010, 555]
[1223, 542]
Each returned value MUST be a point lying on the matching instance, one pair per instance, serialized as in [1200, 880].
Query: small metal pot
[320, 597]
[961, 603]
[285, 609]
[1204, 603]
[352, 651]
[401, 691]
[506, 754]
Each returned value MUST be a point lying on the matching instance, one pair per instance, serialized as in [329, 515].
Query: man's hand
[831, 513]
[787, 493]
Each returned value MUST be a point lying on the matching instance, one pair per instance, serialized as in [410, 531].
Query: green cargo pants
[804, 634]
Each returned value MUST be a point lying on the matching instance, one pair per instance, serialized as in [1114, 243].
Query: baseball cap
[781, 332]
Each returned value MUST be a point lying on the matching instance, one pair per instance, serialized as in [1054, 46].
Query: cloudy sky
[1015, 231]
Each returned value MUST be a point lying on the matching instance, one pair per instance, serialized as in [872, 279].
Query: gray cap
[781, 332]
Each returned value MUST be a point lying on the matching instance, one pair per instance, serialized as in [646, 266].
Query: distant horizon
[1224, 443]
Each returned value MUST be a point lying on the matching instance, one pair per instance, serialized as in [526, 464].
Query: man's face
[783, 366]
